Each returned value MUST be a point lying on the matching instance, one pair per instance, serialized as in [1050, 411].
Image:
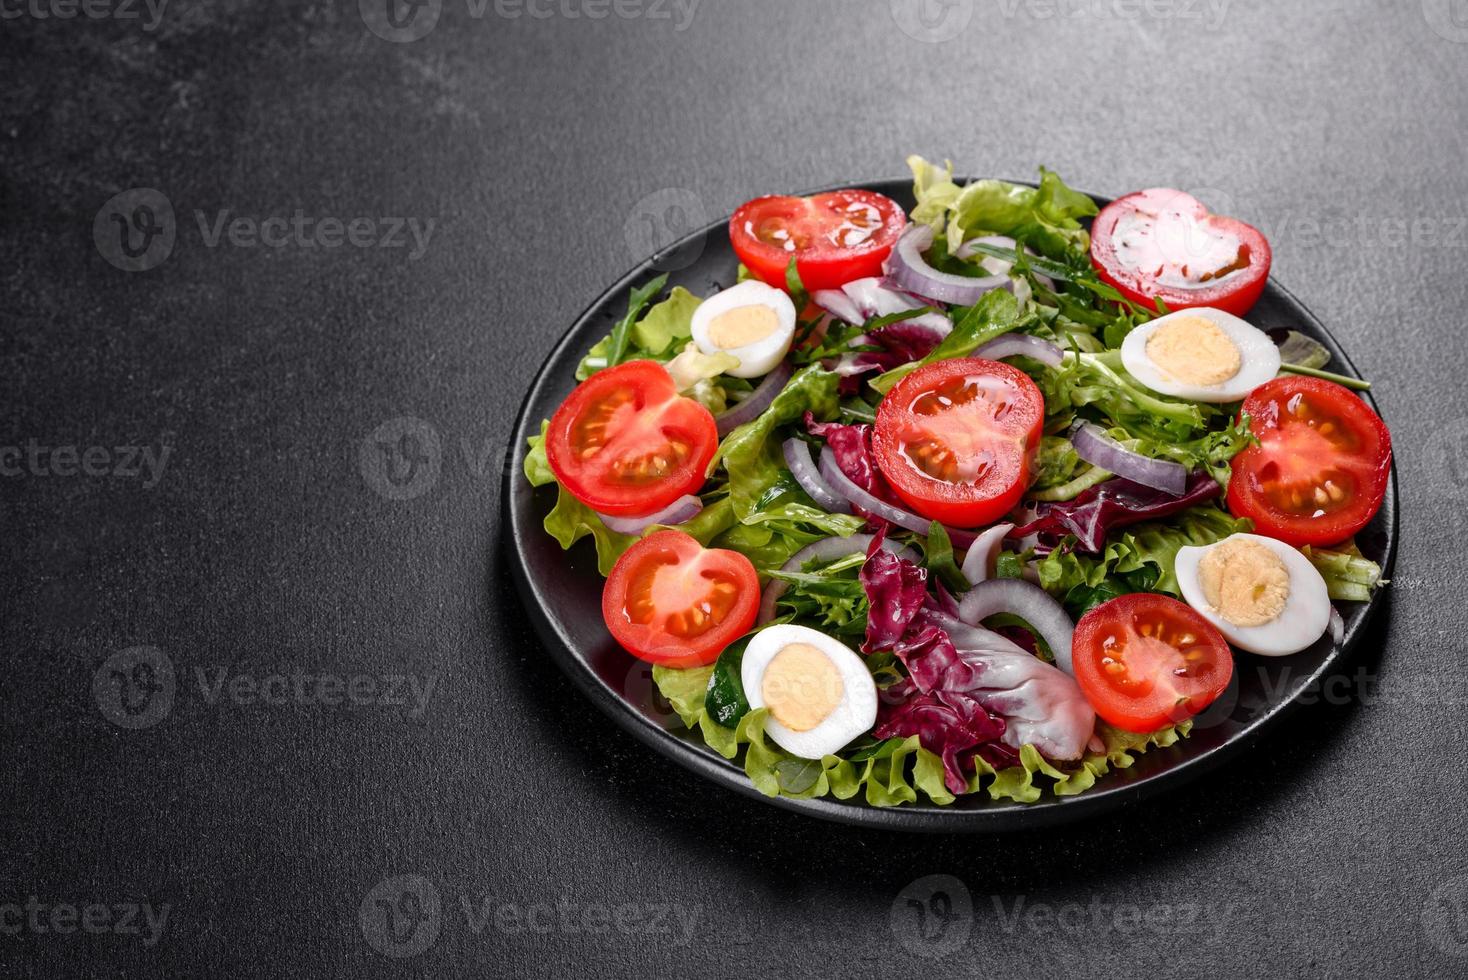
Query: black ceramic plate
[562, 592]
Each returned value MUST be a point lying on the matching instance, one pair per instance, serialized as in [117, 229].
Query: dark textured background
[541, 148]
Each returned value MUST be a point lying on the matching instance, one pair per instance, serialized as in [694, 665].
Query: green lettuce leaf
[1349, 575]
[652, 336]
[752, 457]
[571, 520]
[537, 467]
[895, 772]
[1044, 218]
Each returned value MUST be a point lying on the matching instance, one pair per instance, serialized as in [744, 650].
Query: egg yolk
[1245, 582]
[1194, 350]
[801, 687]
[742, 326]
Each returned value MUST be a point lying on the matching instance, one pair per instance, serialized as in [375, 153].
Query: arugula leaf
[995, 314]
[622, 332]
[940, 559]
[612, 350]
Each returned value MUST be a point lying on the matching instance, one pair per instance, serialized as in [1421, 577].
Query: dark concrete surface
[212, 590]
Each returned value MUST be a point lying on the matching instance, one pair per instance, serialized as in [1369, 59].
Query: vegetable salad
[983, 498]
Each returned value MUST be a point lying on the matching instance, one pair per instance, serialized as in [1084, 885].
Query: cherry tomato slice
[834, 237]
[626, 443]
[671, 601]
[1165, 244]
[1321, 467]
[955, 439]
[1145, 661]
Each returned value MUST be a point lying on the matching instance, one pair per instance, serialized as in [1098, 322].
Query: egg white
[1302, 621]
[761, 356]
[853, 716]
[1258, 354]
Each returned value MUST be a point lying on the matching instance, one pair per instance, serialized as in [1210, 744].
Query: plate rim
[921, 818]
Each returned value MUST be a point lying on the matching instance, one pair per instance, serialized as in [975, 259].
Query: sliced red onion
[874, 297]
[759, 400]
[878, 507]
[826, 549]
[908, 270]
[803, 468]
[1030, 603]
[1336, 626]
[685, 508]
[1020, 343]
[836, 302]
[1093, 445]
[983, 552]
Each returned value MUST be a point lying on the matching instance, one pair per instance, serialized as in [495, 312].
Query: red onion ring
[685, 508]
[803, 468]
[983, 551]
[1094, 446]
[1030, 603]
[874, 297]
[907, 269]
[1020, 343]
[759, 400]
[878, 507]
[837, 303]
[826, 549]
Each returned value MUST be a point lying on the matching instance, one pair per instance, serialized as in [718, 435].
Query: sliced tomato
[1145, 661]
[1321, 467]
[626, 443]
[834, 237]
[955, 439]
[1165, 244]
[671, 601]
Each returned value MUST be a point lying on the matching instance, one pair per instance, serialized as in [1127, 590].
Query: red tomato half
[1145, 660]
[671, 601]
[955, 438]
[834, 237]
[626, 443]
[1164, 244]
[1321, 466]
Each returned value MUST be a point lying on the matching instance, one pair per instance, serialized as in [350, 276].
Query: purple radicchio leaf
[1110, 505]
